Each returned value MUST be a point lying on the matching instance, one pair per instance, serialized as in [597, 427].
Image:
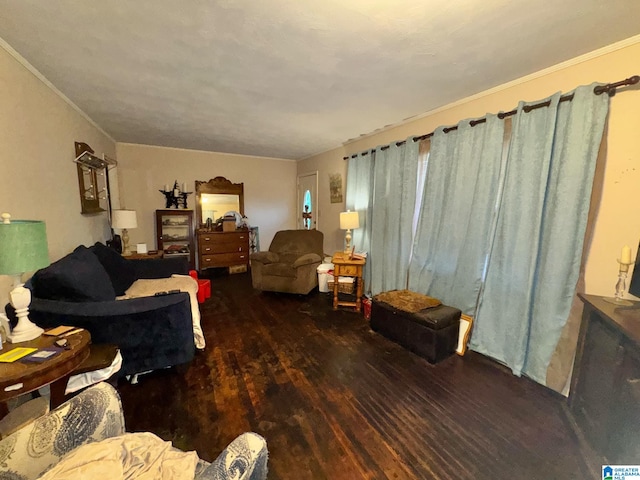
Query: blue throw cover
[78, 277]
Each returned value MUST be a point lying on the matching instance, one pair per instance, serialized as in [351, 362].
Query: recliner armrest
[265, 257]
[307, 259]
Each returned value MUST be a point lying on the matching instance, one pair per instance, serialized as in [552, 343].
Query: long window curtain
[456, 217]
[535, 258]
[394, 195]
[359, 198]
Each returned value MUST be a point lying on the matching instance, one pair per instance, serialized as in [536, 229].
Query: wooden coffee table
[21, 377]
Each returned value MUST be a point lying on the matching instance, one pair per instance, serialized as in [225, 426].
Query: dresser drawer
[224, 237]
[223, 259]
[348, 270]
[223, 249]
[213, 248]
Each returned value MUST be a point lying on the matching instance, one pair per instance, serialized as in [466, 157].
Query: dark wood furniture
[175, 234]
[22, 377]
[604, 399]
[217, 248]
[216, 197]
[343, 266]
[223, 249]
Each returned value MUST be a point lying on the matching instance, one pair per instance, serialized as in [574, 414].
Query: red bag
[366, 307]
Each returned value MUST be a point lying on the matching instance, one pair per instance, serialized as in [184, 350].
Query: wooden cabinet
[343, 266]
[175, 234]
[605, 387]
[223, 249]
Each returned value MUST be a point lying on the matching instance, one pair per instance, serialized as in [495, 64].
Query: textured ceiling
[290, 78]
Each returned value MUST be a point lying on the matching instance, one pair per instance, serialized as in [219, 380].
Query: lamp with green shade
[23, 248]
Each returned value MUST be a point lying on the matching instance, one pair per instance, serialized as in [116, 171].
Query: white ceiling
[290, 78]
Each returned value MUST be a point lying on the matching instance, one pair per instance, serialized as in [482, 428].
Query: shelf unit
[175, 234]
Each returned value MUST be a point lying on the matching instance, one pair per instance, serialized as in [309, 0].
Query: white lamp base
[125, 243]
[25, 330]
[347, 238]
[30, 332]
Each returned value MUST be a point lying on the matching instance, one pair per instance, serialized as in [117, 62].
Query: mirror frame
[218, 185]
[88, 183]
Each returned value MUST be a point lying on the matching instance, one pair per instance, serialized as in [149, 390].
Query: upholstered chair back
[297, 242]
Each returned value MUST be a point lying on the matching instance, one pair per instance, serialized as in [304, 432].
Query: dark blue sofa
[80, 290]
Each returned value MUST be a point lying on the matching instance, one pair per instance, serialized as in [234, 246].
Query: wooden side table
[343, 266]
[20, 377]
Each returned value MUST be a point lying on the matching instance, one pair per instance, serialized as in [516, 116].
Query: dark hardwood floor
[335, 400]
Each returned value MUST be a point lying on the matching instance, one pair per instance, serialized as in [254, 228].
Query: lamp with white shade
[124, 219]
[349, 220]
[23, 248]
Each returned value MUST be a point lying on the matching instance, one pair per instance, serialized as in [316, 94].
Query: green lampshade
[23, 247]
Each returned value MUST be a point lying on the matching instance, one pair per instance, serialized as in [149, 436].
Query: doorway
[307, 211]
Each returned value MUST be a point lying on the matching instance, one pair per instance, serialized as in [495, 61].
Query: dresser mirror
[217, 197]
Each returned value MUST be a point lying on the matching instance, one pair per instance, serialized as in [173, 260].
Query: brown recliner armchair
[290, 264]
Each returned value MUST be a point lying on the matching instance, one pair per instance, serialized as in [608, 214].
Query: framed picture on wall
[335, 187]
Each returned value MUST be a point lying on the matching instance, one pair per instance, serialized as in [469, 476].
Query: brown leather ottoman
[431, 333]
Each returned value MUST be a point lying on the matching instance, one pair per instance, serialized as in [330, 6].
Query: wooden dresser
[223, 249]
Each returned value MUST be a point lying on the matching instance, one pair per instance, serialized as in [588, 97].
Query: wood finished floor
[335, 400]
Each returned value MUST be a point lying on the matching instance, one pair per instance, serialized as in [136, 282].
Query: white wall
[38, 179]
[618, 213]
[269, 185]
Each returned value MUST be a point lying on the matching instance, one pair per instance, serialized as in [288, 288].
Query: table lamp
[349, 220]
[23, 248]
[124, 219]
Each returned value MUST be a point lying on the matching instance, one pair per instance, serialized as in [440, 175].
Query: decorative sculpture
[175, 197]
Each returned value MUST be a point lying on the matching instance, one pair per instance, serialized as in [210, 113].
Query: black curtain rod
[609, 89]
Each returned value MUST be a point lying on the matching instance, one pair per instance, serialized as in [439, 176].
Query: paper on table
[15, 354]
[42, 355]
[54, 332]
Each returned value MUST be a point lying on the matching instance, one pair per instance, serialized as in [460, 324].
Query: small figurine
[175, 197]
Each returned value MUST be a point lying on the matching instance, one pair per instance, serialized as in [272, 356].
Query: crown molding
[527, 78]
[182, 149]
[25, 63]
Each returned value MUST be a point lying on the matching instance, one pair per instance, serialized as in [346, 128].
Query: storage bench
[431, 333]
